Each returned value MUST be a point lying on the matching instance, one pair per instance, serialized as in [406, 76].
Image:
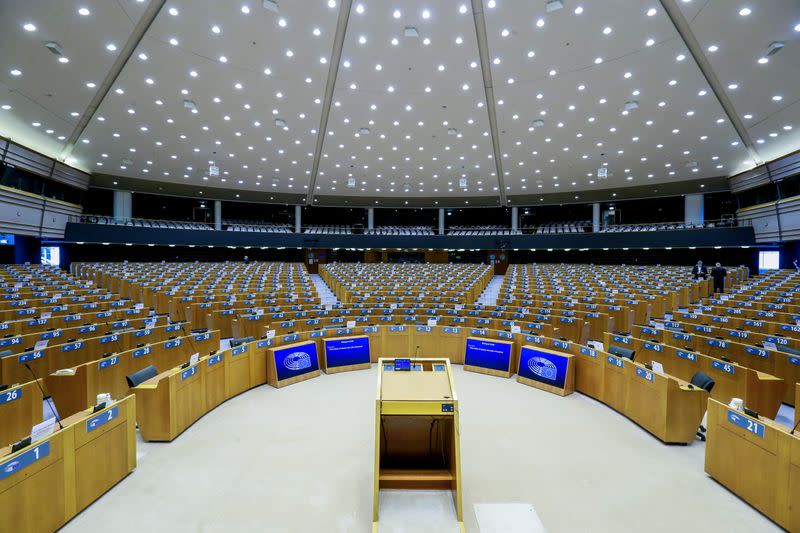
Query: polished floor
[300, 459]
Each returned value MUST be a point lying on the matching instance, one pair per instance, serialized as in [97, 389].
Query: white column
[122, 204]
[370, 218]
[217, 215]
[441, 221]
[514, 218]
[297, 218]
[693, 208]
[595, 217]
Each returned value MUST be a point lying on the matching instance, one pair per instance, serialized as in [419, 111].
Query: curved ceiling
[392, 97]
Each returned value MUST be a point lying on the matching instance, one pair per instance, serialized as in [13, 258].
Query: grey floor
[300, 459]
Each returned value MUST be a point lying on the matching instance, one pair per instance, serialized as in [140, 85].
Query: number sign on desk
[110, 361]
[644, 374]
[239, 350]
[725, 367]
[616, 361]
[31, 356]
[102, 419]
[10, 395]
[189, 372]
[746, 423]
[689, 356]
[24, 460]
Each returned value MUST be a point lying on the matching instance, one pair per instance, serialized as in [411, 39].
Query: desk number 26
[12, 395]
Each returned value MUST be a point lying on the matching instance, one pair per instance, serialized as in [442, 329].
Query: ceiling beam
[685, 31]
[136, 36]
[330, 85]
[486, 70]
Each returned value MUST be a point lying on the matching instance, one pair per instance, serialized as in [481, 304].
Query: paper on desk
[225, 344]
[271, 334]
[46, 314]
[431, 322]
[657, 367]
[516, 329]
[351, 323]
[769, 345]
[196, 357]
[43, 429]
[597, 345]
[40, 345]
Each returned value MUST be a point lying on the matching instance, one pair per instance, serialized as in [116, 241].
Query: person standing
[718, 273]
[699, 271]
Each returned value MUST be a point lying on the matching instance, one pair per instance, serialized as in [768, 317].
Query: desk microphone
[44, 396]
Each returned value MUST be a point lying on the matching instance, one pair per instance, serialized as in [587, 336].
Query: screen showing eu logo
[487, 354]
[544, 367]
[296, 360]
[347, 351]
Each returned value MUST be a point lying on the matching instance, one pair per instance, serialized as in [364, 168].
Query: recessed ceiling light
[289, 53]
[461, 9]
[672, 83]
[650, 42]
[245, 9]
[763, 61]
[362, 39]
[713, 48]
[63, 59]
[540, 23]
[173, 41]
[317, 32]
[84, 12]
[598, 60]
[607, 30]
[173, 11]
[491, 4]
[215, 29]
[680, 57]
[777, 98]
[426, 14]
[797, 28]
[29, 26]
[745, 11]
[282, 22]
[396, 14]
[15, 72]
[143, 56]
[651, 12]
[360, 8]
[331, 3]
[733, 86]
[111, 47]
[578, 10]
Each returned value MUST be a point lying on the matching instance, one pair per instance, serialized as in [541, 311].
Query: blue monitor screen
[347, 351]
[402, 364]
[488, 354]
[544, 367]
[296, 360]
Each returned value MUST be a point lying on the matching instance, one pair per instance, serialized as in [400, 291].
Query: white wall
[21, 213]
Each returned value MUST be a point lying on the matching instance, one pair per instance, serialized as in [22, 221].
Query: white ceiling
[678, 132]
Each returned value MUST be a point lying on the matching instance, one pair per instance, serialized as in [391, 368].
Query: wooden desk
[758, 460]
[411, 408]
[20, 410]
[57, 477]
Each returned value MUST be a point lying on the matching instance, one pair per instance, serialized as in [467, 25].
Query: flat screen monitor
[49, 409]
[402, 365]
[347, 351]
[296, 360]
[543, 366]
[488, 354]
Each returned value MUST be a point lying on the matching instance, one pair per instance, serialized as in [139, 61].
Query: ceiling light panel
[238, 105]
[424, 101]
[582, 106]
[742, 41]
[34, 96]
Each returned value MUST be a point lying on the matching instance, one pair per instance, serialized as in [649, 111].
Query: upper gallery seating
[144, 223]
[329, 230]
[562, 227]
[482, 230]
[260, 227]
[400, 230]
[622, 228]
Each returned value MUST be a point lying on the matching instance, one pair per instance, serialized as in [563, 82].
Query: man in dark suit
[699, 271]
[719, 273]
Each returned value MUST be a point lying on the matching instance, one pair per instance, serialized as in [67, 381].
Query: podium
[416, 430]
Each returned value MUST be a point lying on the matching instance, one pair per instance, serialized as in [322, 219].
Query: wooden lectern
[416, 429]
